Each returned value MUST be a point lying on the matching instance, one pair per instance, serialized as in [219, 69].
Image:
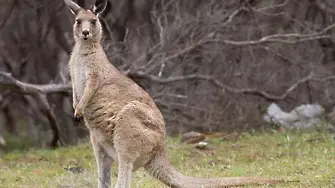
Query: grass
[305, 156]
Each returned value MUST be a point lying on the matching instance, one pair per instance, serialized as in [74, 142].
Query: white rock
[303, 116]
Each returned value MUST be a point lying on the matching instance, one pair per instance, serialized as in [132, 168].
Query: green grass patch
[305, 156]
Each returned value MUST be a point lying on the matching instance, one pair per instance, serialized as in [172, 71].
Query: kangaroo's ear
[99, 6]
[74, 7]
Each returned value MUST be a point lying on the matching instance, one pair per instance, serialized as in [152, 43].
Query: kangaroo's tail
[162, 169]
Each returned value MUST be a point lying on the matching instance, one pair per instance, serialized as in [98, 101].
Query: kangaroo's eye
[94, 21]
[78, 21]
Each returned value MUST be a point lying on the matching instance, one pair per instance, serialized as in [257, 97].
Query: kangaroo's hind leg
[104, 162]
[124, 173]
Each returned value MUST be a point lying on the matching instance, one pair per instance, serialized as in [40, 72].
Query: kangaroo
[125, 124]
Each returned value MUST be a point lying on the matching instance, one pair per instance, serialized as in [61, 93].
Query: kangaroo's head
[87, 26]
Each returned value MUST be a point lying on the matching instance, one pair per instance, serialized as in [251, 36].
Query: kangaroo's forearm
[74, 98]
[90, 88]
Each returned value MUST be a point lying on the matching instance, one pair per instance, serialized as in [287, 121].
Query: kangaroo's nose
[85, 33]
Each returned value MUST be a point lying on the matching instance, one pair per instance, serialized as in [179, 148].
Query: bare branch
[277, 54]
[8, 14]
[325, 7]
[268, 40]
[225, 87]
[49, 113]
[289, 38]
[232, 15]
[6, 80]
[280, 5]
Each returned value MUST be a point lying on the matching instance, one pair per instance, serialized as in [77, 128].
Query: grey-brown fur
[125, 124]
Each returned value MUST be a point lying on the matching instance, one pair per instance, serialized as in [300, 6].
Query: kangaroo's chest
[79, 76]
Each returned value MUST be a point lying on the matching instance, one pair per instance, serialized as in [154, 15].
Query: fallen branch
[8, 81]
[224, 87]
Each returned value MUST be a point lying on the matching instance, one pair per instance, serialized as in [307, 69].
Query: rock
[2, 141]
[75, 170]
[203, 148]
[193, 137]
[331, 116]
[303, 116]
[201, 145]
